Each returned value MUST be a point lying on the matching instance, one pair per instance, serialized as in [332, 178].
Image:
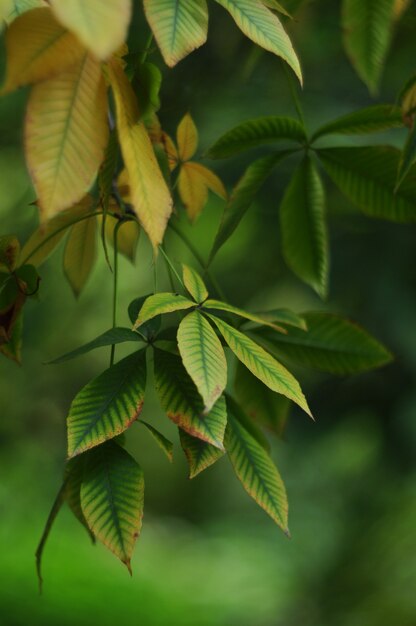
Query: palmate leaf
[107, 405]
[194, 183]
[100, 26]
[160, 304]
[187, 138]
[80, 254]
[109, 338]
[203, 357]
[47, 237]
[194, 284]
[367, 27]
[150, 196]
[256, 472]
[38, 48]
[269, 409]
[243, 196]
[217, 305]
[182, 403]
[368, 176]
[262, 364]
[199, 454]
[331, 344]
[264, 28]
[373, 119]
[112, 498]
[179, 26]
[255, 133]
[163, 443]
[66, 133]
[304, 231]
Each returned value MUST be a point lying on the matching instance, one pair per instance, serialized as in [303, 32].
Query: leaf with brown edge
[38, 48]
[199, 454]
[112, 498]
[150, 195]
[182, 403]
[107, 405]
[66, 134]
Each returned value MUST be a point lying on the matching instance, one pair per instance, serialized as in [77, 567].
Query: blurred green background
[207, 556]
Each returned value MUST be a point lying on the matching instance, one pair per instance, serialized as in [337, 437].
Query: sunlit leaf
[367, 27]
[368, 176]
[199, 454]
[255, 133]
[66, 134]
[331, 344]
[262, 364]
[80, 253]
[112, 498]
[150, 196]
[100, 26]
[203, 357]
[38, 48]
[263, 27]
[228, 308]
[161, 303]
[179, 26]
[256, 472]
[108, 404]
[304, 231]
[373, 119]
[187, 138]
[194, 284]
[109, 338]
[163, 443]
[182, 403]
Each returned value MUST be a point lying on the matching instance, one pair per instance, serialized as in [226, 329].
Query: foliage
[102, 163]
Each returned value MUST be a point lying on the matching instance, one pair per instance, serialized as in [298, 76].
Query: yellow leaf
[80, 253]
[150, 196]
[193, 184]
[127, 236]
[11, 9]
[192, 190]
[101, 26]
[38, 48]
[171, 151]
[187, 138]
[66, 134]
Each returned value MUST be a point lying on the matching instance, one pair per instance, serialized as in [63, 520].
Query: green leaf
[262, 364]
[303, 227]
[9, 252]
[199, 454]
[367, 27]
[256, 472]
[182, 403]
[255, 133]
[111, 337]
[241, 415]
[12, 349]
[264, 28]
[149, 329]
[80, 253]
[407, 158]
[243, 196]
[74, 473]
[260, 403]
[284, 316]
[163, 443]
[276, 6]
[216, 305]
[179, 26]
[108, 405]
[148, 79]
[373, 119]
[161, 303]
[203, 357]
[194, 284]
[112, 498]
[367, 176]
[331, 344]
[108, 169]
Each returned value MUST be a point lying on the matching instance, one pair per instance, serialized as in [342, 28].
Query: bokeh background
[207, 556]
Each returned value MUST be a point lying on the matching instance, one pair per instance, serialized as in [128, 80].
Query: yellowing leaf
[100, 26]
[11, 9]
[66, 134]
[150, 196]
[187, 138]
[171, 151]
[127, 237]
[192, 190]
[179, 26]
[194, 284]
[161, 303]
[211, 180]
[80, 253]
[38, 48]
